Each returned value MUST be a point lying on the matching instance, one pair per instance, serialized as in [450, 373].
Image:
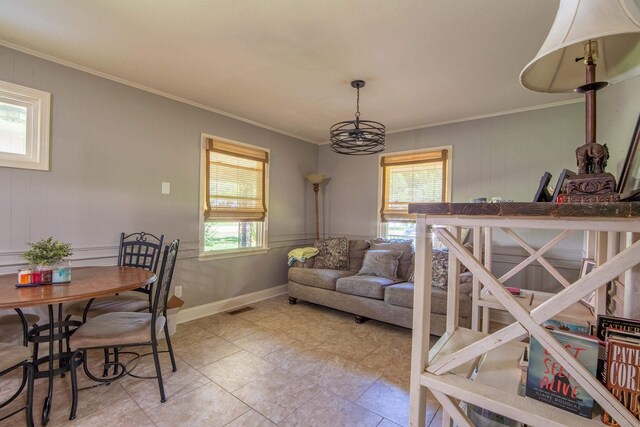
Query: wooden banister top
[530, 209]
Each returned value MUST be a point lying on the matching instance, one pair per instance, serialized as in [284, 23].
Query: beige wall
[112, 146]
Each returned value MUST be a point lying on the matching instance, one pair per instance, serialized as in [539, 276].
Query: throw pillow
[333, 253]
[440, 270]
[398, 245]
[380, 263]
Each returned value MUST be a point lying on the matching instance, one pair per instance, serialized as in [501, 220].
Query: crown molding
[146, 89]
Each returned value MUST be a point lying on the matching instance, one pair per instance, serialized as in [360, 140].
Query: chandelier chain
[358, 103]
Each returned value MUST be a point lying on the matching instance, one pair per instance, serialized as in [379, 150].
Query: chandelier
[357, 137]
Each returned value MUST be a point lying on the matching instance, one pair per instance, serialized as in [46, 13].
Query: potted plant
[47, 256]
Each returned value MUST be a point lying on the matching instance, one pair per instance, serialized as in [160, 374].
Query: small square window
[24, 127]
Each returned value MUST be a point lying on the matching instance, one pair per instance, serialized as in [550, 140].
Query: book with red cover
[622, 371]
[549, 382]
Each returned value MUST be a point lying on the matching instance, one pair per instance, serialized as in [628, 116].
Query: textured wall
[112, 146]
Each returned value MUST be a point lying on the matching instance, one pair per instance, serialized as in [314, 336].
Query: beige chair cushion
[364, 286]
[113, 329]
[115, 304]
[11, 326]
[11, 355]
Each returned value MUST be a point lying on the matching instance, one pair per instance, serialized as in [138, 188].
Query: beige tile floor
[276, 364]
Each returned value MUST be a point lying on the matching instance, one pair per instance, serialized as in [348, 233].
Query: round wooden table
[86, 283]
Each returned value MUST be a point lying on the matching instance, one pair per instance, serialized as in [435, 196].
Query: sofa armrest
[307, 264]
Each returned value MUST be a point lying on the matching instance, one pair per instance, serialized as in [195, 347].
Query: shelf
[523, 409]
[449, 368]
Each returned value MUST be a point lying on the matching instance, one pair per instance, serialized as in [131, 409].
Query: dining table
[86, 283]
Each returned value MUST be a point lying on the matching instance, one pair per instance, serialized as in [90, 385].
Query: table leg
[46, 409]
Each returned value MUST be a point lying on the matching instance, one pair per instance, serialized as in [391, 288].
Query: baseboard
[204, 310]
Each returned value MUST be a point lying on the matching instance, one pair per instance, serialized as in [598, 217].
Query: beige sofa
[370, 296]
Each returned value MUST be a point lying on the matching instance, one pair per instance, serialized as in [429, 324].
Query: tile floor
[277, 364]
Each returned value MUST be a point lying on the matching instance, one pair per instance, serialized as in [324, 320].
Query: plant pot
[62, 272]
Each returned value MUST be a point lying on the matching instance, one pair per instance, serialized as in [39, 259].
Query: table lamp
[584, 34]
[316, 180]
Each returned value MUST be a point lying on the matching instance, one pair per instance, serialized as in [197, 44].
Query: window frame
[38, 105]
[228, 253]
[381, 225]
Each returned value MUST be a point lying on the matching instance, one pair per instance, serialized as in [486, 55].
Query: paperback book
[549, 382]
[622, 372]
[603, 323]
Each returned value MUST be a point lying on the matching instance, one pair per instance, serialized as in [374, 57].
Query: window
[24, 127]
[412, 177]
[235, 197]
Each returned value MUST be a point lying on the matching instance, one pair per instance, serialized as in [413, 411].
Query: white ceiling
[287, 64]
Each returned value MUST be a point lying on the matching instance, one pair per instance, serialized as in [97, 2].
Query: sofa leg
[293, 300]
[361, 319]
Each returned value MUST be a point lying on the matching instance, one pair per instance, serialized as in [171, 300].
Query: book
[622, 372]
[558, 325]
[619, 323]
[549, 382]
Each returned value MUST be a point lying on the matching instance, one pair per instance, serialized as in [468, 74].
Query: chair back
[140, 250]
[164, 280]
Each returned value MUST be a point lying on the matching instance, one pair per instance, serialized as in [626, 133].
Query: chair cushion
[11, 355]
[114, 329]
[11, 326]
[130, 302]
[364, 286]
[318, 277]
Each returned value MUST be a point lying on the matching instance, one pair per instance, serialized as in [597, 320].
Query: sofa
[369, 296]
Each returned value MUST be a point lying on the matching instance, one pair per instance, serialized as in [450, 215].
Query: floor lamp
[316, 180]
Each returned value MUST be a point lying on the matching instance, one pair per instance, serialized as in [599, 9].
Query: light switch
[166, 188]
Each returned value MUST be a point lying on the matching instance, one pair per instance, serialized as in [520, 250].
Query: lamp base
[590, 188]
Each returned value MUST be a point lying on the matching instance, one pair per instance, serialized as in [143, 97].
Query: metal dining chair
[126, 329]
[138, 250]
[14, 356]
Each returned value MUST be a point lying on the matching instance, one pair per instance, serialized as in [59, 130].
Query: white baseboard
[204, 310]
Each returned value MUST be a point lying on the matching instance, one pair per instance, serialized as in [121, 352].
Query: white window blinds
[412, 178]
[236, 182]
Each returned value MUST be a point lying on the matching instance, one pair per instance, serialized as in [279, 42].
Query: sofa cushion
[380, 264]
[317, 277]
[404, 246]
[399, 294]
[364, 286]
[333, 253]
[357, 248]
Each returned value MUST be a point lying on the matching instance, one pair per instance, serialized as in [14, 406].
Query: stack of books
[612, 356]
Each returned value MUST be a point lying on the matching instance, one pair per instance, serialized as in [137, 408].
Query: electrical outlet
[178, 291]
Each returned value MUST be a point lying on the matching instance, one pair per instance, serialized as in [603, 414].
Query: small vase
[62, 272]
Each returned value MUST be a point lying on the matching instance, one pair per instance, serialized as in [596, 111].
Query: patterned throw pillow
[380, 263]
[333, 253]
[440, 270]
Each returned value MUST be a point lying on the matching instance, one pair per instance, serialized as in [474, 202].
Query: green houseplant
[48, 255]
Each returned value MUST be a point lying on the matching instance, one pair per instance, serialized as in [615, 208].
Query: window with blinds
[412, 178]
[236, 182]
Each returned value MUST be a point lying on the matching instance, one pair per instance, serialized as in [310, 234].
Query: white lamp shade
[614, 24]
[316, 179]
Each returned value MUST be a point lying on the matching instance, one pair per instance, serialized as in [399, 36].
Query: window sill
[207, 256]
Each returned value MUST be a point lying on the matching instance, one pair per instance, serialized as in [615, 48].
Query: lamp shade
[316, 179]
[614, 24]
